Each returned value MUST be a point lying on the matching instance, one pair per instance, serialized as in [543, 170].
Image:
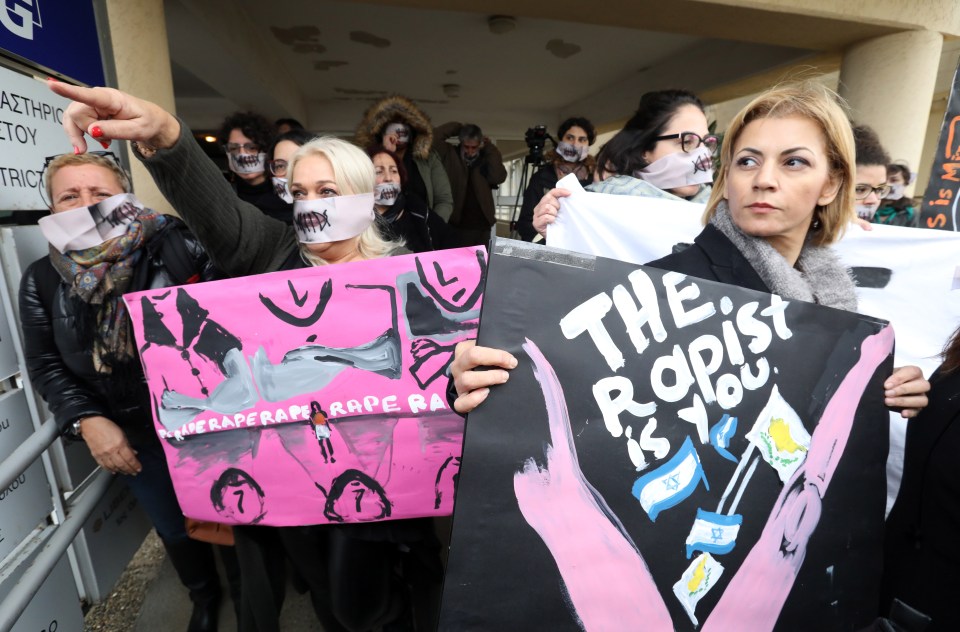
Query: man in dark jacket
[475, 168]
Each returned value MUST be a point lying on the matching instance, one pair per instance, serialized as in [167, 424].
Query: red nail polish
[96, 132]
[76, 150]
[106, 144]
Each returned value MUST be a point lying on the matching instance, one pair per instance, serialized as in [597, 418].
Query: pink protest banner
[312, 396]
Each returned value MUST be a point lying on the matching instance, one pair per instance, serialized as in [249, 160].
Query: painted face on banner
[359, 502]
[452, 292]
[237, 498]
[689, 118]
[779, 173]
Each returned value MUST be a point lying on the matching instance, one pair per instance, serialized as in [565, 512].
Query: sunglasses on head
[109, 155]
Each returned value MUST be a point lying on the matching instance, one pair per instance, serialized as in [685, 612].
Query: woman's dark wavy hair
[254, 126]
[870, 151]
[623, 154]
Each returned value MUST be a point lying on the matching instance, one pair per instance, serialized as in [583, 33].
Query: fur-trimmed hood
[396, 109]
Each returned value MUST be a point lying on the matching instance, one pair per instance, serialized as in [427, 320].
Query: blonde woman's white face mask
[323, 220]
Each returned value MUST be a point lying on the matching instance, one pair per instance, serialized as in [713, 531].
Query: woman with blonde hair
[79, 345]
[350, 568]
[783, 194]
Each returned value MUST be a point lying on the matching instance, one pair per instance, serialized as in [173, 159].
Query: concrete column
[889, 83]
[138, 31]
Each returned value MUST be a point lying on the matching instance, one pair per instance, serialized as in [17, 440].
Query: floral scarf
[99, 276]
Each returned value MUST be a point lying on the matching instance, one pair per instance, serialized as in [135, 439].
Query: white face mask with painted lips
[385, 193]
[324, 220]
[282, 189]
[89, 226]
[572, 153]
[247, 163]
[679, 169]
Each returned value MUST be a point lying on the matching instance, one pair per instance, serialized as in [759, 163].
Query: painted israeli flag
[720, 436]
[713, 533]
[695, 582]
[671, 483]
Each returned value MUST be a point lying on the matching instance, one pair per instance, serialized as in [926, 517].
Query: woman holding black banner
[350, 569]
[784, 193]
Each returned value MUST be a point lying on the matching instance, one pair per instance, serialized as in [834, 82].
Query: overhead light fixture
[210, 139]
[452, 90]
[501, 24]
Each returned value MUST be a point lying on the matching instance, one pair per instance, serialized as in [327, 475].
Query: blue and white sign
[59, 36]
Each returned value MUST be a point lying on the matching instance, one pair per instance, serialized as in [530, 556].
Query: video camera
[536, 137]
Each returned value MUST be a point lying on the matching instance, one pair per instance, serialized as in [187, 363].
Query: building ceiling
[324, 62]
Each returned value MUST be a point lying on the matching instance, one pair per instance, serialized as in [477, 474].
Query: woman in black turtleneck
[246, 137]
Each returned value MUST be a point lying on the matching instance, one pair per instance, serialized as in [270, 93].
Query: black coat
[540, 183]
[713, 256]
[921, 558]
[59, 359]
[421, 229]
[263, 197]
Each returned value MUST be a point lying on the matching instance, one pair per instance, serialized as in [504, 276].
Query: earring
[815, 225]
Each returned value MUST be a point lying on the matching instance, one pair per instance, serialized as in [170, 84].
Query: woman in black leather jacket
[80, 351]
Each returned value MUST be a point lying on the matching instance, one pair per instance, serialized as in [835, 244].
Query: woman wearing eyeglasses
[282, 150]
[246, 136]
[79, 347]
[664, 151]
[872, 185]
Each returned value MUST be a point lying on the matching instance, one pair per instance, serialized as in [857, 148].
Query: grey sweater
[237, 236]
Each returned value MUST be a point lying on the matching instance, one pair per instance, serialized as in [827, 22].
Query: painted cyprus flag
[696, 581]
[671, 483]
[780, 436]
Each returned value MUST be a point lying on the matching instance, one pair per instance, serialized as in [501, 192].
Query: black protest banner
[939, 209]
[670, 454]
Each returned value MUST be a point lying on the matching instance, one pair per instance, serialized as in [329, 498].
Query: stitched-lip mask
[282, 188]
[247, 163]
[324, 220]
[90, 226]
[385, 194]
[679, 169]
[572, 153]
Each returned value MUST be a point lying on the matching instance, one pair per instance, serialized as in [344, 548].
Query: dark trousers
[192, 560]
[357, 583]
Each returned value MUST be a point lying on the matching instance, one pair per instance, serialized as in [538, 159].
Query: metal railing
[54, 540]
